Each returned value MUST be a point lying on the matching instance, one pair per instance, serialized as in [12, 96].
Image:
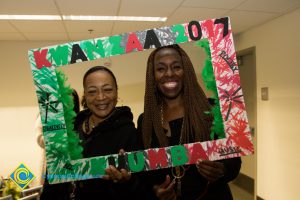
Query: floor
[239, 193]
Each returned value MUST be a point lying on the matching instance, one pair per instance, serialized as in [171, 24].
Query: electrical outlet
[265, 93]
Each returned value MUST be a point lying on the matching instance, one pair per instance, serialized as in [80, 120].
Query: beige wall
[16, 84]
[18, 140]
[278, 67]
[248, 80]
[18, 109]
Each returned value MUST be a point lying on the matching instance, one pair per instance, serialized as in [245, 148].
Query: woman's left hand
[210, 170]
[117, 176]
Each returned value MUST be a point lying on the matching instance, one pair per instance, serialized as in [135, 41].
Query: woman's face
[100, 93]
[168, 72]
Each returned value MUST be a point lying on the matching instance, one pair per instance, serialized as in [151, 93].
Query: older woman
[174, 113]
[105, 129]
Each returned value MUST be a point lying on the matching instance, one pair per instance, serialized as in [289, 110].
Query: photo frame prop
[64, 165]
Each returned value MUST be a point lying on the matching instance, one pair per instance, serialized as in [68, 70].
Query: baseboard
[259, 198]
[245, 182]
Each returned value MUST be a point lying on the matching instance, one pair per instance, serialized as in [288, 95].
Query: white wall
[278, 67]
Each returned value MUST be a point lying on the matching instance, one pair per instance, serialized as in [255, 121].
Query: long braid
[197, 122]
[151, 109]
[196, 126]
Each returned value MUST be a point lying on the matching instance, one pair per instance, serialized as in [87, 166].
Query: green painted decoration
[93, 51]
[181, 37]
[60, 55]
[136, 161]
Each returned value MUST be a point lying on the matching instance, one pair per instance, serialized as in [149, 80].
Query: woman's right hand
[165, 191]
[117, 176]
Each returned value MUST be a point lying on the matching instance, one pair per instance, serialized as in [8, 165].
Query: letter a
[196, 152]
[151, 39]
[77, 53]
[133, 43]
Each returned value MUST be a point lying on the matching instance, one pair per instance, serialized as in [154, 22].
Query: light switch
[265, 93]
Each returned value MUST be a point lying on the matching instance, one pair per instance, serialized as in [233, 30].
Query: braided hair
[197, 123]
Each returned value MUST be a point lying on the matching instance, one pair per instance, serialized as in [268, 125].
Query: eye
[177, 67]
[108, 89]
[160, 68]
[91, 92]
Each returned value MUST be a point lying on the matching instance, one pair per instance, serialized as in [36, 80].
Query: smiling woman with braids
[175, 110]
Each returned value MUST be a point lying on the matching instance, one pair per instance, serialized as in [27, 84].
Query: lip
[102, 106]
[170, 84]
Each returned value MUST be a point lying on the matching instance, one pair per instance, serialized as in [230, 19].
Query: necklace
[178, 172]
[87, 125]
[168, 134]
[93, 122]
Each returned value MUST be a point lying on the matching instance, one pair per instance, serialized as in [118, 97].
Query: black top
[192, 184]
[59, 191]
[108, 137]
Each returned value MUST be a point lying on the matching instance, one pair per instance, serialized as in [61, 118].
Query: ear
[83, 102]
[118, 99]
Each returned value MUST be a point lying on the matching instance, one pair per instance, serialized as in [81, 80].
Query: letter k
[40, 59]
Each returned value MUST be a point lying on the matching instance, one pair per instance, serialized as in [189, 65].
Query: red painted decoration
[158, 157]
[40, 59]
[196, 152]
[133, 43]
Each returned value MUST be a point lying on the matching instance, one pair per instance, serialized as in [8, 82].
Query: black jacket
[192, 184]
[108, 137]
[115, 133]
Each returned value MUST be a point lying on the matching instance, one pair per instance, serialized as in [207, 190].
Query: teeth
[170, 84]
[101, 106]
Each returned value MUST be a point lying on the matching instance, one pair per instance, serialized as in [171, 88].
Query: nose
[100, 95]
[169, 72]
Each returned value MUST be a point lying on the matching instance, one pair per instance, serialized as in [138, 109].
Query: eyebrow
[175, 62]
[91, 87]
[107, 84]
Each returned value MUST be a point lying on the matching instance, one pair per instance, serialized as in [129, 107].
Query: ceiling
[244, 15]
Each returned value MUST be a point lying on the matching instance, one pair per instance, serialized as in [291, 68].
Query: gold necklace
[178, 175]
[178, 172]
[92, 122]
[86, 125]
